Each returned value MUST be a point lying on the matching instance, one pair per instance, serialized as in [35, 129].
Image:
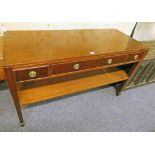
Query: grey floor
[93, 111]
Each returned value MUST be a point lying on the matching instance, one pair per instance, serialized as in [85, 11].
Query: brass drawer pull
[76, 66]
[32, 74]
[109, 61]
[136, 57]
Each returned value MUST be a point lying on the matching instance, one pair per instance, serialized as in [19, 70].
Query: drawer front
[136, 56]
[31, 73]
[113, 60]
[74, 66]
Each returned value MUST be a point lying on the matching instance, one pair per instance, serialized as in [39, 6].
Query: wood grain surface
[23, 47]
[47, 89]
[2, 75]
[74, 60]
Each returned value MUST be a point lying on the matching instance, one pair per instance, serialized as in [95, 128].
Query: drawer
[135, 56]
[74, 66]
[31, 73]
[113, 60]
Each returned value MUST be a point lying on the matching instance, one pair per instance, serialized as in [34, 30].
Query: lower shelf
[56, 87]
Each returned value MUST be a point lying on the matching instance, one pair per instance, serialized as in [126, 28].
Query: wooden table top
[1, 48]
[28, 47]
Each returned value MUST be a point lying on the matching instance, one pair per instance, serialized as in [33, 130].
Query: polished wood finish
[40, 65]
[136, 56]
[86, 64]
[24, 73]
[14, 92]
[116, 59]
[2, 76]
[131, 73]
[1, 48]
[39, 91]
[74, 66]
[29, 47]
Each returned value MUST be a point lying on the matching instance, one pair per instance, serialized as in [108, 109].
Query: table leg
[14, 92]
[131, 74]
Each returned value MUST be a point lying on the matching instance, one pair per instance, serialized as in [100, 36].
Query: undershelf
[47, 89]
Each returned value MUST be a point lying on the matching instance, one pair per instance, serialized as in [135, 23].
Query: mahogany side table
[41, 65]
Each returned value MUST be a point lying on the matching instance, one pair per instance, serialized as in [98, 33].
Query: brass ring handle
[136, 57]
[76, 66]
[109, 61]
[32, 74]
